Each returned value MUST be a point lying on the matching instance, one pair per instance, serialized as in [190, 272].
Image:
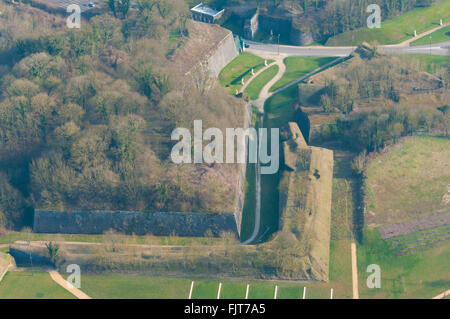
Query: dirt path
[265, 91]
[354, 272]
[442, 295]
[63, 283]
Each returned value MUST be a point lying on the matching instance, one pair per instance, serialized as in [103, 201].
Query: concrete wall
[139, 223]
[223, 54]
[240, 189]
[251, 26]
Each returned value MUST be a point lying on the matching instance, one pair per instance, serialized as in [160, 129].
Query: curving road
[318, 51]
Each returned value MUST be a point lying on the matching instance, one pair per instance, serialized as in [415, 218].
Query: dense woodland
[86, 114]
[382, 99]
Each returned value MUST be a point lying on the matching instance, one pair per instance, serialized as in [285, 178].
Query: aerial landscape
[225, 149]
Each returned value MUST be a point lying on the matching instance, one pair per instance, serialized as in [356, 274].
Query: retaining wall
[224, 53]
[139, 223]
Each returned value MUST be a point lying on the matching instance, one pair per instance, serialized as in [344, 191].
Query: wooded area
[86, 114]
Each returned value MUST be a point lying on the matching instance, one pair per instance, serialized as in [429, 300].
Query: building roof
[201, 8]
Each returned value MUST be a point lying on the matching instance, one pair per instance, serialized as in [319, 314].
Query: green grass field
[436, 37]
[25, 285]
[422, 274]
[148, 287]
[409, 181]
[241, 67]
[398, 29]
[404, 183]
[297, 67]
[257, 84]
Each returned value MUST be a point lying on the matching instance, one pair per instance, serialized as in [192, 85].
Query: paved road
[322, 51]
[435, 49]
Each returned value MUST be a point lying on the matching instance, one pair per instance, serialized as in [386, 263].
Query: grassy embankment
[398, 29]
[238, 69]
[427, 62]
[142, 240]
[404, 183]
[297, 67]
[436, 37]
[409, 181]
[255, 87]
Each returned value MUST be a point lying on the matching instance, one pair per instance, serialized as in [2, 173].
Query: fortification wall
[139, 223]
[240, 189]
[251, 26]
[223, 54]
[301, 34]
[305, 201]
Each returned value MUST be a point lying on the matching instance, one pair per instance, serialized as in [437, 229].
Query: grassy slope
[239, 68]
[398, 29]
[341, 223]
[422, 274]
[436, 37]
[24, 285]
[297, 67]
[408, 181]
[154, 240]
[427, 62]
[255, 87]
[411, 178]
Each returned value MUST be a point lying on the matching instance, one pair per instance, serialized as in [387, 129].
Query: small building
[206, 14]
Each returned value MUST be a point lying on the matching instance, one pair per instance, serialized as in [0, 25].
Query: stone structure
[220, 56]
[139, 223]
[240, 189]
[206, 14]
[305, 202]
[251, 26]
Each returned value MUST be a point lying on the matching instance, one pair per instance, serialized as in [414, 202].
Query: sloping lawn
[241, 67]
[255, 87]
[409, 181]
[297, 67]
[436, 37]
[398, 29]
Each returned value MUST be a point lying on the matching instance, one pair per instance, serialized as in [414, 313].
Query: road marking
[331, 294]
[190, 291]
[276, 292]
[304, 292]
[246, 293]
[218, 291]
[354, 272]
